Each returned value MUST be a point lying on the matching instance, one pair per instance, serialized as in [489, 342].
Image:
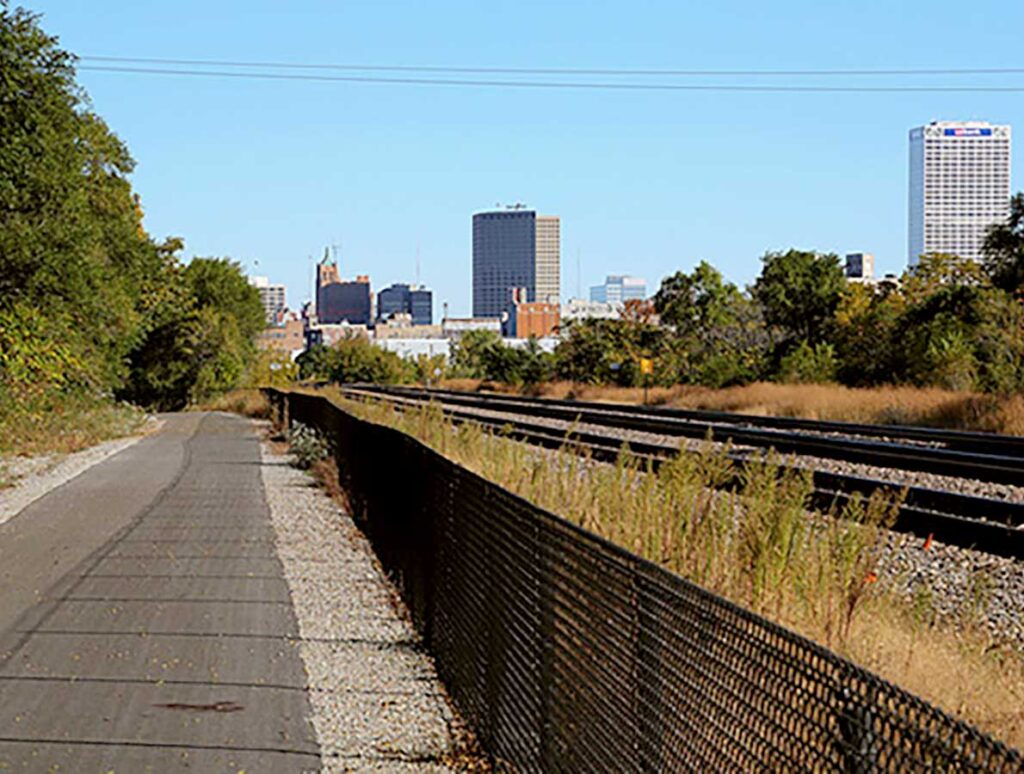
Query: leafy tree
[587, 351]
[736, 352]
[318, 362]
[808, 365]
[219, 283]
[965, 337]
[697, 302]
[272, 368]
[998, 342]
[866, 335]
[720, 336]
[799, 292]
[467, 353]
[430, 368]
[33, 360]
[362, 361]
[1004, 249]
[934, 272]
[538, 365]
[71, 242]
[483, 355]
[609, 351]
[201, 321]
[354, 359]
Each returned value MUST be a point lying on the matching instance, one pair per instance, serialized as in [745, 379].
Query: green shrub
[307, 446]
[355, 359]
[807, 364]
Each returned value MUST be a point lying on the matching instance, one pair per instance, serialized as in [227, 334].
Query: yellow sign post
[646, 368]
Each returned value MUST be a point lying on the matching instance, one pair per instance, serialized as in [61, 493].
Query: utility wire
[619, 86]
[558, 70]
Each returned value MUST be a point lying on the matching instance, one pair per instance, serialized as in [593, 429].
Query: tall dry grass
[247, 402]
[928, 407]
[758, 546]
[66, 424]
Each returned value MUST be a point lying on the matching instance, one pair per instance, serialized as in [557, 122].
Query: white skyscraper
[959, 186]
[271, 296]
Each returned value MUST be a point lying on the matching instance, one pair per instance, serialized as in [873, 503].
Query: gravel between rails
[377, 702]
[33, 477]
[967, 486]
[960, 584]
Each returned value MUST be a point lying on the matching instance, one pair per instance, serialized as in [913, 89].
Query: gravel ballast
[33, 477]
[377, 702]
[896, 476]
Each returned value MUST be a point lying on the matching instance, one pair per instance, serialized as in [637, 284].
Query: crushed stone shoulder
[377, 702]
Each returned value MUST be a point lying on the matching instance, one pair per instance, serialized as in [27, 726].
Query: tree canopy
[799, 291]
[89, 302]
[1004, 250]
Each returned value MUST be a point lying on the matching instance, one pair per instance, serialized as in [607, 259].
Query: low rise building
[530, 319]
[289, 337]
[618, 288]
[454, 327]
[860, 267]
[581, 309]
[402, 326]
[414, 300]
[546, 344]
[414, 348]
[330, 334]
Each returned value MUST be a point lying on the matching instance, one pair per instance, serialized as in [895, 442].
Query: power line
[561, 70]
[547, 84]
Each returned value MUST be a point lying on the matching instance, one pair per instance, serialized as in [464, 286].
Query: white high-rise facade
[959, 186]
[271, 296]
[619, 288]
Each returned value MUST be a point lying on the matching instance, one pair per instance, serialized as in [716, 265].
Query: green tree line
[90, 304]
[946, 322]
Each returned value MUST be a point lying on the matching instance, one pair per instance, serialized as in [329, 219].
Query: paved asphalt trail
[145, 623]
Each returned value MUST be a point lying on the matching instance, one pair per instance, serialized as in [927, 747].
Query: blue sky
[645, 183]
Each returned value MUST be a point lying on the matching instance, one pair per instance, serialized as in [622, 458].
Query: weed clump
[246, 402]
[307, 446]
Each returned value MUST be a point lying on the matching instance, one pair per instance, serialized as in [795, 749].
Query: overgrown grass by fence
[564, 651]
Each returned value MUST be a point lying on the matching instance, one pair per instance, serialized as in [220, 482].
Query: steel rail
[1005, 467]
[959, 440]
[980, 523]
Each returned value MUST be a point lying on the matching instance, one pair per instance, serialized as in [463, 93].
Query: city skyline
[645, 183]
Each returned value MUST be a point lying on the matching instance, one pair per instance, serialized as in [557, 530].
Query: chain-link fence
[564, 652]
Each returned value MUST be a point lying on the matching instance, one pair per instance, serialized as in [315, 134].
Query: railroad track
[986, 524]
[979, 456]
